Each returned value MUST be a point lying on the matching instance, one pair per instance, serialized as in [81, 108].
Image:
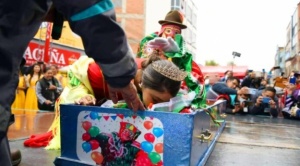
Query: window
[175, 4]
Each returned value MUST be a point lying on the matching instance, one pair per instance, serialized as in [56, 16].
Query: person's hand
[52, 87]
[129, 94]
[237, 108]
[48, 102]
[294, 111]
[86, 100]
[166, 44]
[272, 104]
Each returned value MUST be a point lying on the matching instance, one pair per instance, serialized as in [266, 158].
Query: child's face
[154, 97]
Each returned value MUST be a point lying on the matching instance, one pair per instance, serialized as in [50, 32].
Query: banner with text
[57, 56]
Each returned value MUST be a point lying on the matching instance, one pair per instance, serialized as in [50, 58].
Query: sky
[253, 28]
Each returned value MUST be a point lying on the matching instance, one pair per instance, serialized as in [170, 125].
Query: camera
[266, 100]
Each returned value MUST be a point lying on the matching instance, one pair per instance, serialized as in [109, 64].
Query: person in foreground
[161, 80]
[94, 21]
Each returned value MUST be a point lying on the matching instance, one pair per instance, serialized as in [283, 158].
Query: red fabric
[223, 96]
[40, 140]
[97, 81]
[238, 71]
[186, 110]
[196, 72]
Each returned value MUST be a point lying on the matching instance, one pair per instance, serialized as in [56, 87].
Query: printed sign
[57, 56]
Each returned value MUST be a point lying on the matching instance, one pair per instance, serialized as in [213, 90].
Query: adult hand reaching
[129, 94]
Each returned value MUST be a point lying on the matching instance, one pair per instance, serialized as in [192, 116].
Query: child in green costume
[170, 41]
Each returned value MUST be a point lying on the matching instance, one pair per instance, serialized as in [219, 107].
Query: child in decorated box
[86, 86]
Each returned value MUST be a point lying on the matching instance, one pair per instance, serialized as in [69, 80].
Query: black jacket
[51, 95]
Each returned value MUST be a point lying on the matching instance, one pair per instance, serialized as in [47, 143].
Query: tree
[211, 63]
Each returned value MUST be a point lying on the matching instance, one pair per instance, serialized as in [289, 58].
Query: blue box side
[178, 130]
[201, 123]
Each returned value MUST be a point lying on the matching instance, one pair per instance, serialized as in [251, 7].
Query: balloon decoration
[150, 153]
[147, 146]
[86, 125]
[158, 132]
[148, 125]
[149, 137]
[86, 147]
[93, 115]
[86, 136]
[97, 157]
[154, 157]
[94, 131]
[159, 147]
[143, 161]
[94, 144]
[160, 163]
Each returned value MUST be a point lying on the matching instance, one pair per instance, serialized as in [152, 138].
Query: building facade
[138, 18]
[291, 58]
[189, 8]
[280, 60]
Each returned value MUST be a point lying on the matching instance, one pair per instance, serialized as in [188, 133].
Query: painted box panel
[103, 136]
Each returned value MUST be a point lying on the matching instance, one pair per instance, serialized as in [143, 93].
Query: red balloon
[86, 125]
[97, 157]
[160, 163]
[86, 136]
[143, 161]
[149, 137]
[148, 125]
[141, 153]
[94, 144]
[159, 147]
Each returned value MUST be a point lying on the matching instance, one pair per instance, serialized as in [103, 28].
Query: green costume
[184, 60]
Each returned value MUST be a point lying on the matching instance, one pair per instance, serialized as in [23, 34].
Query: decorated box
[113, 137]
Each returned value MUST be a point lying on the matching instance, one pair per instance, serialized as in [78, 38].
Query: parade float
[162, 135]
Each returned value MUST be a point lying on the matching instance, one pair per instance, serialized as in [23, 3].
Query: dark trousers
[19, 21]
[46, 107]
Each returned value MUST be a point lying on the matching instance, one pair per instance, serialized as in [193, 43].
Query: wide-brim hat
[173, 17]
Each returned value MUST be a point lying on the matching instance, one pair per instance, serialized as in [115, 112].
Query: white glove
[166, 44]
